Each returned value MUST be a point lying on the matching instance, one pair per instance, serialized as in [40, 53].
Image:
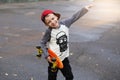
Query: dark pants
[66, 71]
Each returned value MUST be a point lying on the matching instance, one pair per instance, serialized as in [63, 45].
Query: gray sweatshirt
[57, 39]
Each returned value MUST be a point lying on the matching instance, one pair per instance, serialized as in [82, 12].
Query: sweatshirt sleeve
[75, 17]
[44, 41]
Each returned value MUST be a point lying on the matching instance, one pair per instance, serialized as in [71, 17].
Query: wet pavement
[94, 40]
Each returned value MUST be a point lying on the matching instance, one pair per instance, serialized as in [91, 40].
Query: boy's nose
[52, 22]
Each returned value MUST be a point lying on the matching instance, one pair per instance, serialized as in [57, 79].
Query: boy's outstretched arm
[76, 16]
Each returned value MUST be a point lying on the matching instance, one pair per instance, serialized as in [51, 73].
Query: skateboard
[57, 63]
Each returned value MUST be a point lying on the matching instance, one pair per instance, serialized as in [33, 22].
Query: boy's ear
[45, 23]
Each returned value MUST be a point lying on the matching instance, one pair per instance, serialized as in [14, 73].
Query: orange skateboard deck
[58, 61]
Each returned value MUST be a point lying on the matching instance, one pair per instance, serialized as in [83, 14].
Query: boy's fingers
[49, 59]
[89, 6]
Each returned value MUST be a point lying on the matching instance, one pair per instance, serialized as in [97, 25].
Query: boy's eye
[52, 18]
[49, 22]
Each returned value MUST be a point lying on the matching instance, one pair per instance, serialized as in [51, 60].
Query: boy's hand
[49, 59]
[89, 6]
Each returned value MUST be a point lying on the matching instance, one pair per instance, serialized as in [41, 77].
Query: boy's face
[51, 20]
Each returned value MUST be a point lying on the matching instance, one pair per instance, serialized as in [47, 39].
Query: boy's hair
[46, 12]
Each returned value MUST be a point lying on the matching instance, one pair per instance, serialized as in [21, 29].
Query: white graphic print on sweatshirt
[59, 41]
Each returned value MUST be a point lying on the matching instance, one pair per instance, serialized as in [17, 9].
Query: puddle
[84, 35]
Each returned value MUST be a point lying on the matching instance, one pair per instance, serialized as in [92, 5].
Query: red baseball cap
[46, 12]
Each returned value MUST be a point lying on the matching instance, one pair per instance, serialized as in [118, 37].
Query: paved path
[94, 40]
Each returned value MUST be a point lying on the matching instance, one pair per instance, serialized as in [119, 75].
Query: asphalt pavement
[94, 40]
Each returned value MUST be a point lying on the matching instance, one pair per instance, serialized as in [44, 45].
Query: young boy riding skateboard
[56, 38]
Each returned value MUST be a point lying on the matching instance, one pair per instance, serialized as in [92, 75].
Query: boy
[57, 38]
